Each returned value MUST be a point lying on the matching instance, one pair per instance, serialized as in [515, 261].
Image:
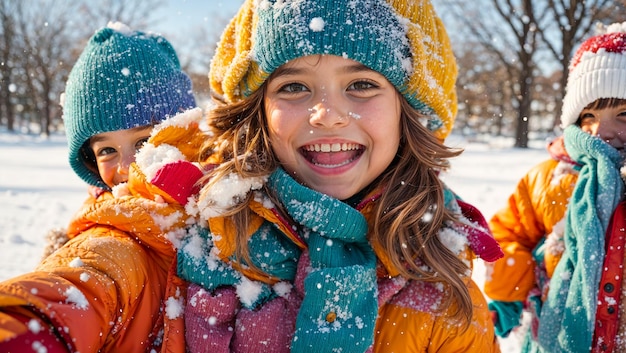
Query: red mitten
[178, 179]
[481, 241]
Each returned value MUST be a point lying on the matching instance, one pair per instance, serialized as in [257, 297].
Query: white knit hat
[597, 70]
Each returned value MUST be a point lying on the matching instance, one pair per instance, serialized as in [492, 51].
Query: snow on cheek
[354, 115]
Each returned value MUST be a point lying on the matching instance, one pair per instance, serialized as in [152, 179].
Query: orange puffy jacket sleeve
[537, 204]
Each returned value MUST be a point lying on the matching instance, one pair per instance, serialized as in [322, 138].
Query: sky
[179, 15]
[39, 192]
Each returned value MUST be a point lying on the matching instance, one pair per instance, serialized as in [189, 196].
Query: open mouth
[327, 155]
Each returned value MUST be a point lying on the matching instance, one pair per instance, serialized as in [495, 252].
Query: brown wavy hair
[412, 187]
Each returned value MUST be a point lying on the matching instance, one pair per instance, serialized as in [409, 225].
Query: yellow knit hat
[404, 40]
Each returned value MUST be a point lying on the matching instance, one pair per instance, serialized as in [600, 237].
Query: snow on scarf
[567, 317]
[340, 305]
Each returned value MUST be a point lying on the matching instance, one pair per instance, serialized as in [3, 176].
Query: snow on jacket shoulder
[533, 209]
[104, 289]
[109, 288]
[409, 319]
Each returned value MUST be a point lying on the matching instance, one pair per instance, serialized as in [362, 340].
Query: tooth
[336, 147]
[325, 148]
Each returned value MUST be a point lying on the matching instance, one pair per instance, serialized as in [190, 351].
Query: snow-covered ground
[39, 191]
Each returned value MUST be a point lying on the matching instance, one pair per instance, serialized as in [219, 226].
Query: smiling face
[333, 123]
[609, 124]
[114, 151]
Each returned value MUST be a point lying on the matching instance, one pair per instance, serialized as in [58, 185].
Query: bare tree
[483, 91]
[196, 51]
[41, 40]
[7, 53]
[45, 38]
[135, 14]
[530, 37]
[509, 31]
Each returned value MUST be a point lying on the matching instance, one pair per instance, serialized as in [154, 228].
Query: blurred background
[512, 55]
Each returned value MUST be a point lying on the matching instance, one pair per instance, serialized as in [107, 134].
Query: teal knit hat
[404, 40]
[123, 79]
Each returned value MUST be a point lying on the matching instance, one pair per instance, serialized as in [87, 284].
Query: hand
[178, 179]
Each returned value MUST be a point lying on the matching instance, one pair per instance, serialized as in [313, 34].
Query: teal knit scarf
[340, 293]
[339, 308]
[568, 315]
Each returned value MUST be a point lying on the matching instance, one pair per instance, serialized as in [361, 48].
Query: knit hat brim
[403, 40]
[600, 76]
[597, 70]
[122, 79]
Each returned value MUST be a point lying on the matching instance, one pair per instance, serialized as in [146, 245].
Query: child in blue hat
[105, 289]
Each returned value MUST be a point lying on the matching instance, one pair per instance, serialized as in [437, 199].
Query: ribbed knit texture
[120, 81]
[271, 251]
[339, 308]
[597, 70]
[567, 317]
[401, 39]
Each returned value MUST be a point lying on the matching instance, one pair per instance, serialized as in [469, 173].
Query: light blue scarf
[568, 315]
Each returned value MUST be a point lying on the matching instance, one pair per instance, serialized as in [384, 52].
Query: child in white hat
[563, 229]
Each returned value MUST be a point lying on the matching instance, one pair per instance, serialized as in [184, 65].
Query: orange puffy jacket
[538, 203]
[112, 286]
